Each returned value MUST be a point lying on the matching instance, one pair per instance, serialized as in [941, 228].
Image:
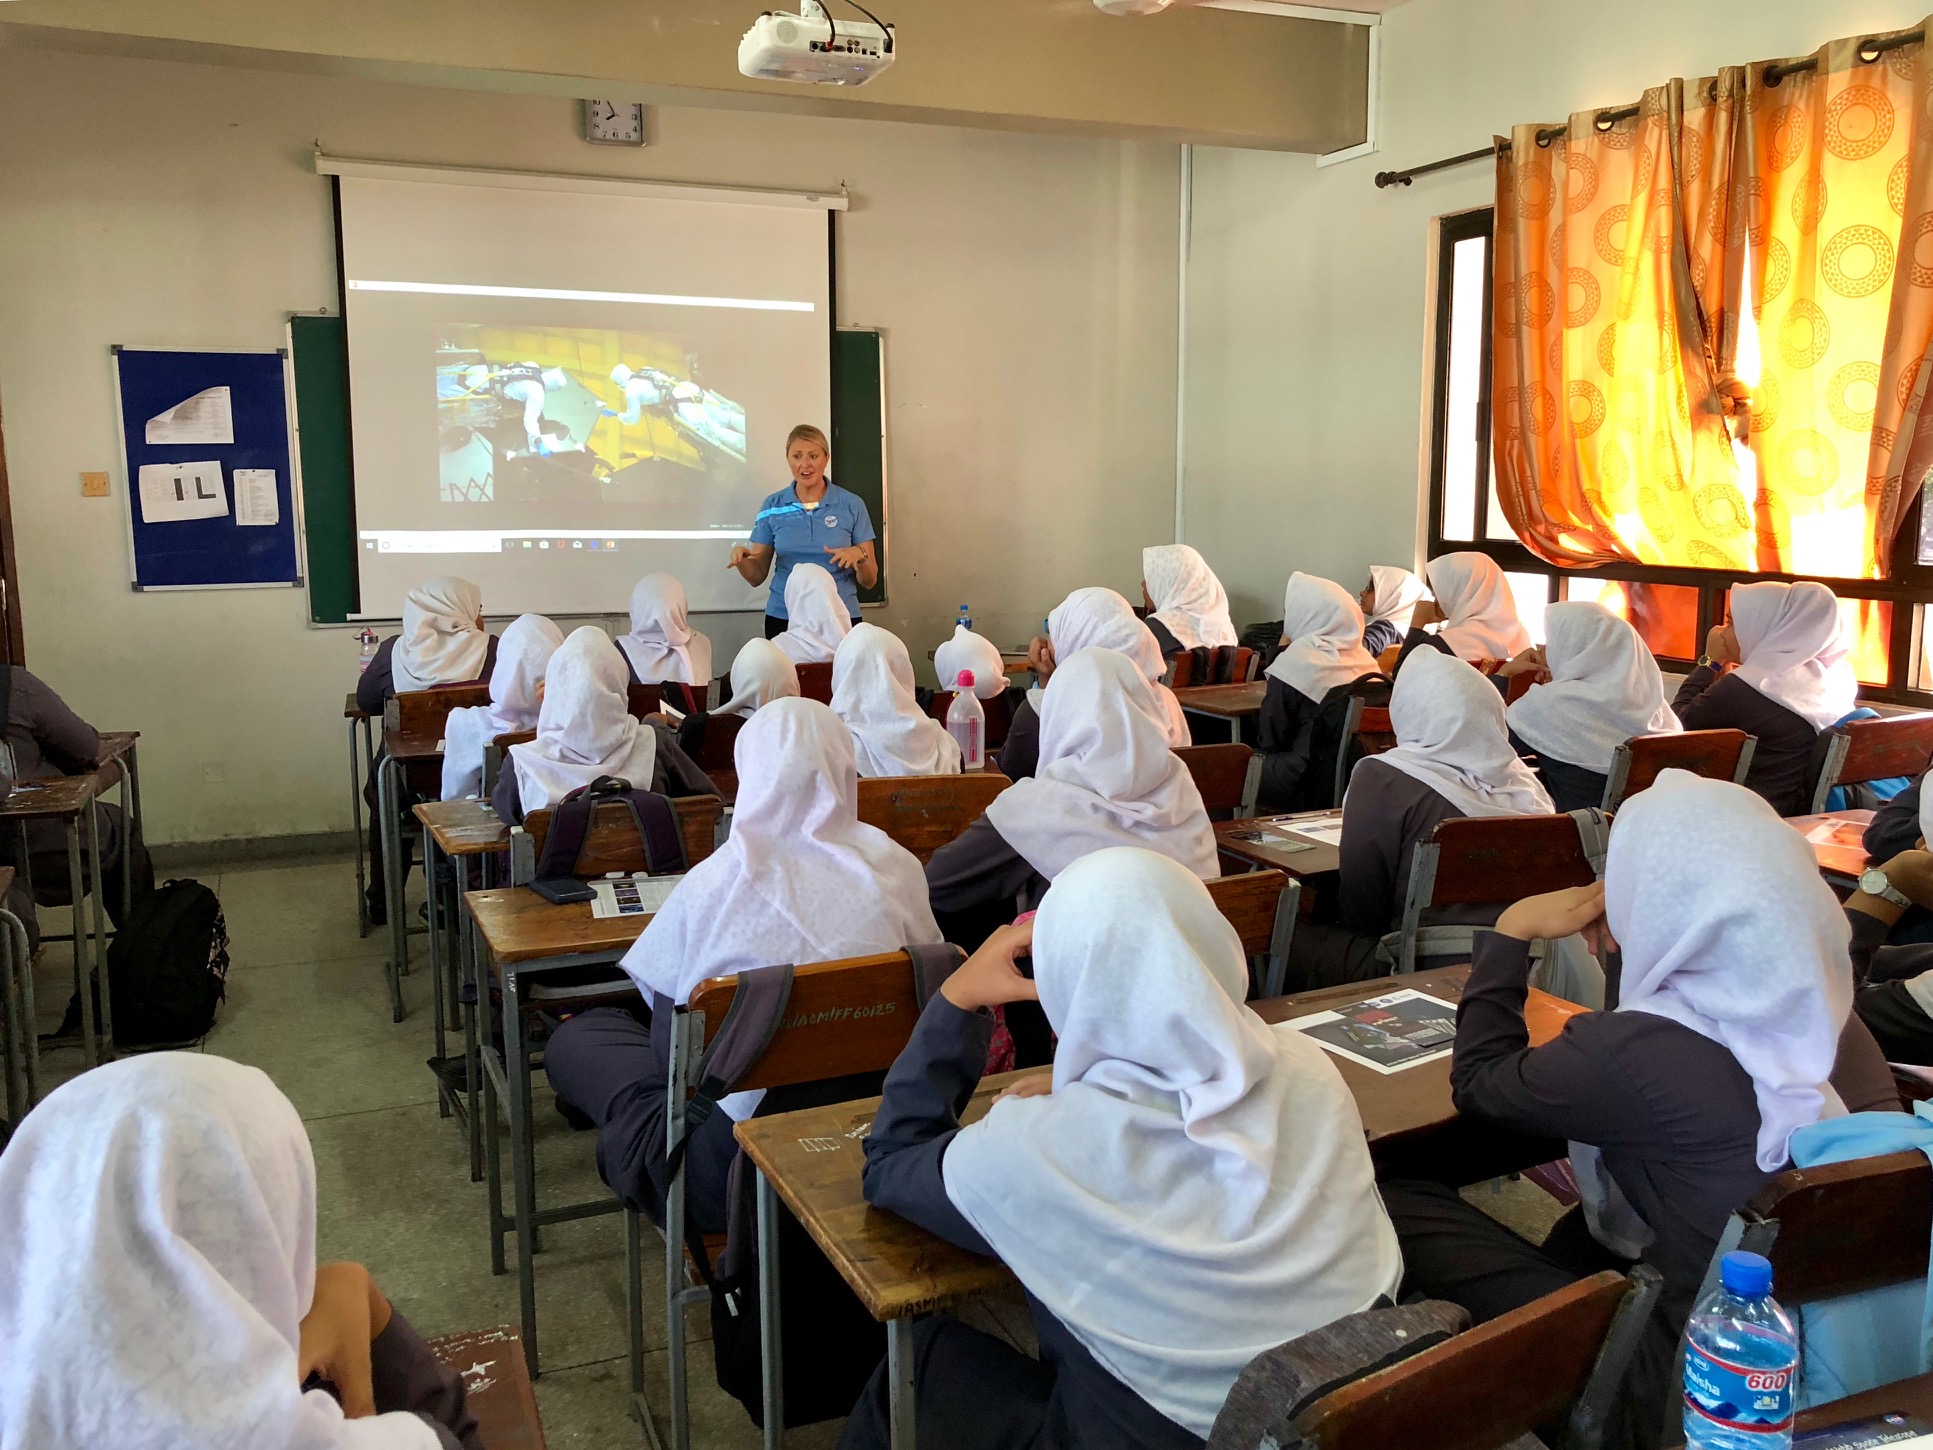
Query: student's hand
[1034, 1085]
[1427, 611]
[1721, 645]
[1040, 657]
[989, 977]
[850, 558]
[1530, 660]
[1559, 914]
[347, 1313]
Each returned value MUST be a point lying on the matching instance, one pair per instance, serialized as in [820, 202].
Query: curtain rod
[1869, 52]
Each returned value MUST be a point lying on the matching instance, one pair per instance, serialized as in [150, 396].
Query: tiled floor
[307, 1004]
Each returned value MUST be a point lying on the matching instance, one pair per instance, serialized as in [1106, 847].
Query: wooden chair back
[1842, 1228]
[1263, 907]
[1715, 754]
[613, 844]
[422, 712]
[498, 751]
[717, 744]
[924, 812]
[1365, 731]
[1864, 750]
[1492, 860]
[513, 737]
[644, 699]
[1227, 664]
[1482, 1389]
[815, 681]
[1221, 774]
[842, 1018]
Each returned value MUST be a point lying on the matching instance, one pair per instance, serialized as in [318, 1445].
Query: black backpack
[167, 967]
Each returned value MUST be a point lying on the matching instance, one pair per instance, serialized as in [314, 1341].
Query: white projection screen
[557, 386]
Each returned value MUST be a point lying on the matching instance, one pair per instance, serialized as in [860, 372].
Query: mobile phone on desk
[563, 890]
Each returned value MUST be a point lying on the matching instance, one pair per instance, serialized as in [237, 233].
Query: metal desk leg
[100, 923]
[388, 796]
[134, 789]
[899, 1380]
[522, 1170]
[772, 1367]
[10, 1020]
[472, 1057]
[29, 1017]
[493, 1163]
[90, 1045]
[130, 831]
[436, 963]
[358, 809]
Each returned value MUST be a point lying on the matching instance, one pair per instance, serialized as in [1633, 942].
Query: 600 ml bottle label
[1736, 1396]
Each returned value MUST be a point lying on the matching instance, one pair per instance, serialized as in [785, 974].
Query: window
[1671, 608]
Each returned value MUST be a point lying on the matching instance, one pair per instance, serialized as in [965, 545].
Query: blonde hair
[804, 433]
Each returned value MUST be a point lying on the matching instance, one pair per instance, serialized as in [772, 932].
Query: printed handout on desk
[632, 895]
[1895, 1432]
[207, 417]
[174, 492]
[256, 503]
[1385, 1034]
[1326, 828]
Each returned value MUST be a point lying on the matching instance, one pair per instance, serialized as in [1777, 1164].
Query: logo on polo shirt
[831, 522]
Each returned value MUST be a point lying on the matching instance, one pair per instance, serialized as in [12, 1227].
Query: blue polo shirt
[798, 535]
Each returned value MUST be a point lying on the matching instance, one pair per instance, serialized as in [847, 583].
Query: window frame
[1910, 588]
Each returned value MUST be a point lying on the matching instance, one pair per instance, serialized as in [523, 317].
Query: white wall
[1027, 286]
[1307, 286]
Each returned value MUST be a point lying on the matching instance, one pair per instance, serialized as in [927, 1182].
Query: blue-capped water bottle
[1741, 1362]
[965, 621]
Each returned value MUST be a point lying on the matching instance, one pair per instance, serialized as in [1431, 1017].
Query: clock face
[615, 123]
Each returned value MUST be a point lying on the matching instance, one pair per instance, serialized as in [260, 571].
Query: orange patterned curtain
[1602, 303]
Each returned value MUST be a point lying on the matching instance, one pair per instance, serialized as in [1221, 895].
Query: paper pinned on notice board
[172, 492]
[207, 417]
[256, 504]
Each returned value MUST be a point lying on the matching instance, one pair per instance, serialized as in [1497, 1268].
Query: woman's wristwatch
[1874, 882]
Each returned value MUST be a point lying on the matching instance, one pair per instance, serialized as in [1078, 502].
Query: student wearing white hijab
[872, 692]
[1729, 1031]
[800, 880]
[522, 654]
[816, 616]
[585, 730]
[662, 647]
[1452, 758]
[1324, 656]
[1892, 954]
[761, 673]
[1087, 619]
[1474, 610]
[965, 650]
[1604, 688]
[1191, 1190]
[1189, 606]
[1793, 679]
[161, 1292]
[1387, 601]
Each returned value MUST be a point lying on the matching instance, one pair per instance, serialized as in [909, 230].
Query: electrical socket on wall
[93, 485]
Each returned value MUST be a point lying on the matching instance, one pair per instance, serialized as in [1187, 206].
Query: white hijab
[1726, 927]
[872, 692]
[585, 728]
[1397, 592]
[1324, 627]
[965, 650]
[1106, 775]
[799, 880]
[816, 616]
[761, 673]
[1196, 1188]
[440, 643]
[1480, 616]
[1794, 650]
[1102, 619]
[1604, 688]
[160, 1216]
[1450, 735]
[522, 655]
[662, 646]
[1188, 598]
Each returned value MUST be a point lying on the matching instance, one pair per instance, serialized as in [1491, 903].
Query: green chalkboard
[321, 355]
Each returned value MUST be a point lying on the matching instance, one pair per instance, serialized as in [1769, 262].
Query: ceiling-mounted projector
[812, 47]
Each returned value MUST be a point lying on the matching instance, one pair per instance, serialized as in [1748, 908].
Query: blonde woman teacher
[810, 521]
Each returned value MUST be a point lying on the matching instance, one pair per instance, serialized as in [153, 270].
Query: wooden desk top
[496, 1385]
[1320, 858]
[1234, 701]
[352, 711]
[814, 1159]
[399, 746]
[1014, 662]
[1903, 1397]
[116, 743]
[518, 925]
[463, 828]
[1845, 854]
[57, 797]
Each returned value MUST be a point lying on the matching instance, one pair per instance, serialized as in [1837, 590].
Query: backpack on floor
[167, 967]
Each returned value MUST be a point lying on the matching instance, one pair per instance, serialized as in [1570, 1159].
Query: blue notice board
[226, 523]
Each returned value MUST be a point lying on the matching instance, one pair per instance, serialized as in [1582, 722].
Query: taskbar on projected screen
[492, 541]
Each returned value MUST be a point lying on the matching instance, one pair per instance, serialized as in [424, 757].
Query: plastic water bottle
[966, 722]
[366, 638]
[1741, 1362]
[965, 621]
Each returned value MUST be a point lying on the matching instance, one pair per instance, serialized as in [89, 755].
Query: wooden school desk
[1842, 855]
[528, 938]
[404, 757]
[813, 1161]
[1318, 858]
[69, 799]
[362, 765]
[496, 1385]
[1231, 704]
[20, 1050]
